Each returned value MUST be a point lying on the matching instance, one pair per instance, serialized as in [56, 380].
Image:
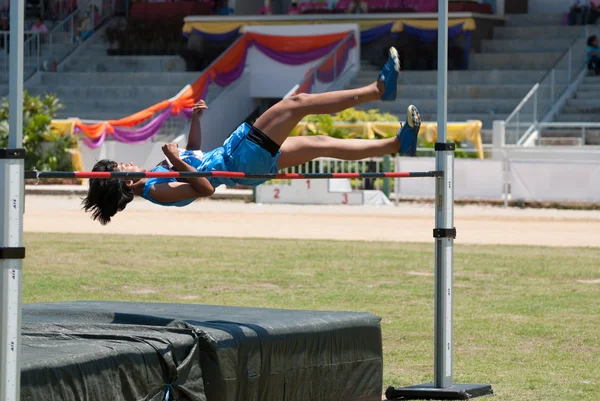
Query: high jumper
[264, 147]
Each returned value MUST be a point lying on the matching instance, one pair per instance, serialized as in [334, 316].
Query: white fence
[515, 176]
[552, 180]
[473, 178]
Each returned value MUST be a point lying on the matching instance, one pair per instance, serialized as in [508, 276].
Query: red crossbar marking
[162, 174]
[399, 174]
[233, 174]
[93, 174]
[228, 174]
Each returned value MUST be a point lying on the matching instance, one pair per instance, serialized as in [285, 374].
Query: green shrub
[352, 116]
[459, 153]
[324, 124]
[45, 150]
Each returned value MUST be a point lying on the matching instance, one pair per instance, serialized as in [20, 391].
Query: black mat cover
[140, 351]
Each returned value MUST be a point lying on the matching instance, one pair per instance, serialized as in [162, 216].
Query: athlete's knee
[324, 143]
[321, 140]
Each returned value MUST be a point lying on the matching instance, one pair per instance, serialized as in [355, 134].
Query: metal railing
[32, 53]
[42, 50]
[59, 9]
[77, 27]
[521, 123]
[320, 78]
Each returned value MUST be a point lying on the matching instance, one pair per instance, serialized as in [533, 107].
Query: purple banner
[295, 58]
[144, 133]
[227, 78]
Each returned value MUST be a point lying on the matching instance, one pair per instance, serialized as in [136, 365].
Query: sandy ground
[405, 223]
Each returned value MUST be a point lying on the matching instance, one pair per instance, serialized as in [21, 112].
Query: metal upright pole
[444, 217]
[11, 209]
[444, 234]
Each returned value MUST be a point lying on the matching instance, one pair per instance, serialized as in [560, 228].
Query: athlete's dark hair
[106, 197]
[591, 40]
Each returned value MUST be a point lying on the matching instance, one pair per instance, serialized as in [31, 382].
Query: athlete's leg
[301, 149]
[280, 120]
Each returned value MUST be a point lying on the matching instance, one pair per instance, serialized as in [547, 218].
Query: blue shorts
[239, 154]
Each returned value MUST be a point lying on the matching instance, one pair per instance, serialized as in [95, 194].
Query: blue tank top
[212, 161]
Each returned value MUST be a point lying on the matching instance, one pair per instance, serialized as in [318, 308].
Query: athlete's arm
[195, 135]
[174, 192]
[200, 184]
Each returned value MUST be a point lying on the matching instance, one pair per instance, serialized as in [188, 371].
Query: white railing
[324, 165]
[312, 83]
[521, 123]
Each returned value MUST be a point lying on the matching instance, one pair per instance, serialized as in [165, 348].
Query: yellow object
[457, 132]
[60, 128]
[469, 24]
[213, 27]
[219, 27]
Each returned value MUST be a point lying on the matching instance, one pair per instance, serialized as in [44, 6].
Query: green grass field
[527, 319]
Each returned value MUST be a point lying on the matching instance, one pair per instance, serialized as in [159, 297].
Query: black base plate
[428, 392]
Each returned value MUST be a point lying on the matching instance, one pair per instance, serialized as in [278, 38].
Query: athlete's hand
[199, 108]
[171, 150]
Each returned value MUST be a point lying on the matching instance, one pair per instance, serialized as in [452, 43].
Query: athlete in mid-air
[261, 148]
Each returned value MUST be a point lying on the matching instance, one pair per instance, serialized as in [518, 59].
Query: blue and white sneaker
[389, 76]
[409, 132]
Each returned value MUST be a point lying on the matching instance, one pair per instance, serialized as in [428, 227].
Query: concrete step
[97, 52]
[513, 61]
[108, 92]
[589, 86]
[537, 32]
[461, 91]
[127, 64]
[491, 106]
[524, 45]
[578, 117]
[560, 141]
[97, 46]
[526, 20]
[585, 95]
[121, 78]
[582, 109]
[591, 80]
[431, 116]
[100, 115]
[91, 114]
[470, 77]
[131, 105]
[592, 136]
[585, 103]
